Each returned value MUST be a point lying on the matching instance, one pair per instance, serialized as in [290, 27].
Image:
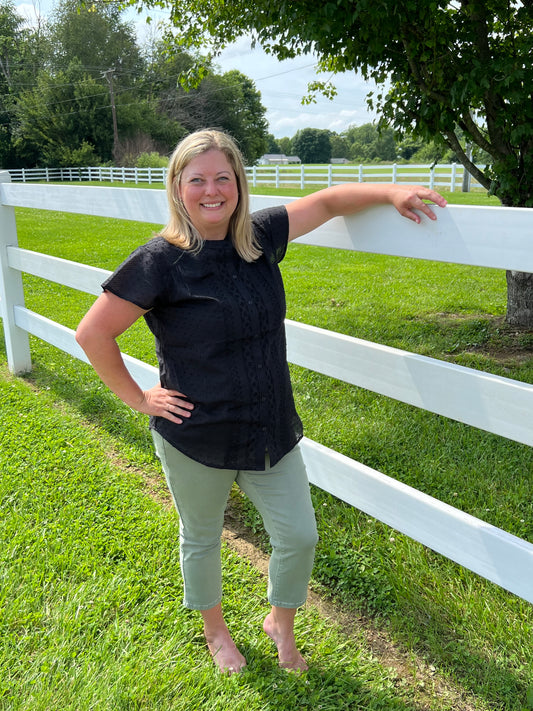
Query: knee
[308, 539]
[199, 541]
[301, 539]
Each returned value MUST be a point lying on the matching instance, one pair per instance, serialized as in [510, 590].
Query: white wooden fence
[94, 174]
[491, 237]
[441, 177]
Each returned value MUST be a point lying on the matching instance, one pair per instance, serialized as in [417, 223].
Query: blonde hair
[179, 229]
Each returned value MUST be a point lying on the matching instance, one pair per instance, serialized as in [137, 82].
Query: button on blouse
[218, 323]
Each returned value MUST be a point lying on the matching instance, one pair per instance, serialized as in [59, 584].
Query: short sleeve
[141, 278]
[271, 229]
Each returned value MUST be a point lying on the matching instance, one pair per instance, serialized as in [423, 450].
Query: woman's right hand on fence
[161, 402]
[409, 200]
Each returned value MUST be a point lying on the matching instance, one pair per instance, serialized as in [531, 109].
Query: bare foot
[288, 654]
[225, 654]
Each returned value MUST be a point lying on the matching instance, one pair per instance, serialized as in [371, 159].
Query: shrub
[151, 160]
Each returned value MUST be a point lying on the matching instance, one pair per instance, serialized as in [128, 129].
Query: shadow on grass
[505, 682]
[327, 685]
[76, 384]
[330, 689]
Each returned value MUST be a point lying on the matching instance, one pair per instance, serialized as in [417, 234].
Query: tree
[105, 47]
[312, 145]
[245, 115]
[10, 56]
[61, 104]
[285, 145]
[229, 101]
[340, 148]
[369, 143]
[273, 145]
[22, 51]
[95, 97]
[63, 120]
[463, 65]
[410, 146]
[98, 38]
[10, 29]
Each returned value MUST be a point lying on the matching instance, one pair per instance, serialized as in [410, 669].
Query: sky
[282, 84]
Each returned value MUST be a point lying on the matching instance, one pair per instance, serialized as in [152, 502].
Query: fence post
[454, 177]
[432, 178]
[360, 172]
[11, 291]
[302, 179]
[395, 173]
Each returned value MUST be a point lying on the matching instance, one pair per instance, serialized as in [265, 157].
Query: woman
[210, 290]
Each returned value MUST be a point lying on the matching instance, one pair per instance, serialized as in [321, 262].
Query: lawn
[90, 591]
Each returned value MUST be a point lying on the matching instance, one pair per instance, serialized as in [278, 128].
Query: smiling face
[208, 189]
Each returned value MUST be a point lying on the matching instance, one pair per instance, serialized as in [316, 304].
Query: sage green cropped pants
[281, 495]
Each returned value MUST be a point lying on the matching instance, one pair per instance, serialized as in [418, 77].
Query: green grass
[90, 593]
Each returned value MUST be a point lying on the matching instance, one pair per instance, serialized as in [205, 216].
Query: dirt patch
[507, 345]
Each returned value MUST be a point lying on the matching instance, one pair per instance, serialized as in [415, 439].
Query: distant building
[278, 159]
[339, 161]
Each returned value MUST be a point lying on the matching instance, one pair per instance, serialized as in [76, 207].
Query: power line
[172, 81]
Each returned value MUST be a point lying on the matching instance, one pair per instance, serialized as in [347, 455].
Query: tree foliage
[367, 143]
[10, 54]
[312, 145]
[454, 68]
[98, 38]
[60, 115]
[22, 51]
[61, 81]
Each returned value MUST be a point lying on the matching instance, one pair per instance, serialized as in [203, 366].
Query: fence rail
[447, 176]
[482, 400]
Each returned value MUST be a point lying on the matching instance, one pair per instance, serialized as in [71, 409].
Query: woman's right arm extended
[107, 318]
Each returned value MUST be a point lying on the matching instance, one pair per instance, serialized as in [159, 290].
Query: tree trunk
[520, 299]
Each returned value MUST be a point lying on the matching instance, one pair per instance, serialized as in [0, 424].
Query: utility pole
[108, 74]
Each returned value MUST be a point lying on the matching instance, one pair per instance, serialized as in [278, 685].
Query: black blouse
[218, 323]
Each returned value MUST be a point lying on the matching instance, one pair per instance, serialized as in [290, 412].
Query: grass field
[90, 614]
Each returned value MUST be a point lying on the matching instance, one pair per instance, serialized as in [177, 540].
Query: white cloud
[29, 11]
